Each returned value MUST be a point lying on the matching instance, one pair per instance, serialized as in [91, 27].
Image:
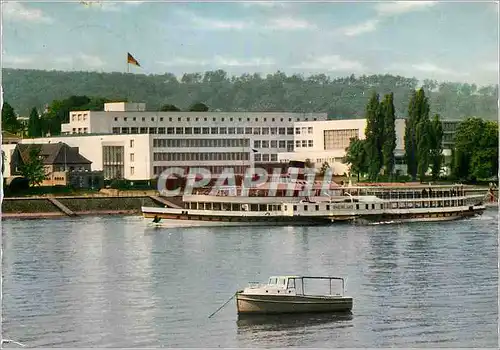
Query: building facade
[269, 132]
[326, 142]
[63, 165]
[145, 156]
[127, 142]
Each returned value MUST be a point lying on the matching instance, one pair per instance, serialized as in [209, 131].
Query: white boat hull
[169, 223]
[276, 304]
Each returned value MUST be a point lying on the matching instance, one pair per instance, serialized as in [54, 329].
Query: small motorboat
[292, 294]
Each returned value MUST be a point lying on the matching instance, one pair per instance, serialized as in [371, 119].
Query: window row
[328, 160]
[274, 144]
[79, 117]
[203, 130]
[265, 158]
[214, 169]
[80, 131]
[304, 130]
[197, 156]
[206, 119]
[201, 142]
[304, 143]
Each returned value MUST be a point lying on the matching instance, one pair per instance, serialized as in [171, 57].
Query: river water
[117, 282]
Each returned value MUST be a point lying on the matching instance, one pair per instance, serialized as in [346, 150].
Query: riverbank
[66, 206]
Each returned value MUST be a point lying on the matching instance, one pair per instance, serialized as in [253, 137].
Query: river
[117, 282]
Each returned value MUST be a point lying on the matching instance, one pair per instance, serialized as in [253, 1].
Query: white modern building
[326, 141]
[145, 156]
[125, 141]
[269, 132]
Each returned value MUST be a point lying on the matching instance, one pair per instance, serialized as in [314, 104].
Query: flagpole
[128, 67]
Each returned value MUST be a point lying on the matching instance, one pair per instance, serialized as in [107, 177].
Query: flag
[132, 60]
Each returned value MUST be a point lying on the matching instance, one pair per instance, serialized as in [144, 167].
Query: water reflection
[287, 321]
[115, 282]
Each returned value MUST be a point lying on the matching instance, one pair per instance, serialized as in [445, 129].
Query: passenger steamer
[360, 204]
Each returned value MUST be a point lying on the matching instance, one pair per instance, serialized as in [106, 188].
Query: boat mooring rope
[220, 308]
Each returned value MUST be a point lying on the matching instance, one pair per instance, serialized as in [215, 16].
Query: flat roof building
[122, 118]
[126, 141]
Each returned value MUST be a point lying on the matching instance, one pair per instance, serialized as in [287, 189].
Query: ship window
[291, 283]
[357, 206]
[295, 208]
[254, 207]
[317, 207]
[272, 281]
[366, 206]
[262, 207]
[328, 207]
[373, 206]
[285, 207]
[281, 281]
[305, 207]
[235, 207]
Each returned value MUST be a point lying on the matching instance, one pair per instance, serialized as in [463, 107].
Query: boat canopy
[299, 283]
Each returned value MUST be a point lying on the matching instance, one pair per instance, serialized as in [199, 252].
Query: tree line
[340, 97]
[474, 151]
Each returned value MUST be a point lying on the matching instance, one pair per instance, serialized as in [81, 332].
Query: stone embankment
[113, 203]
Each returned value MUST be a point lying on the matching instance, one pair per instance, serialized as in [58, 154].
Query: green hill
[342, 98]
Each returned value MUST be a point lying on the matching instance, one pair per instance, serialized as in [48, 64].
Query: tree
[476, 149]
[436, 147]
[33, 169]
[34, 124]
[389, 133]
[9, 119]
[198, 107]
[58, 111]
[418, 110]
[169, 108]
[97, 103]
[423, 148]
[373, 135]
[356, 156]
[342, 97]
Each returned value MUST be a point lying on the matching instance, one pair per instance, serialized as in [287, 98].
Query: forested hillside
[340, 98]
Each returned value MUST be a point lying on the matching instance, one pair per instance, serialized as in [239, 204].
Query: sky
[446, 41]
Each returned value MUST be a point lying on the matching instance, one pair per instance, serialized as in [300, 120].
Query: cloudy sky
[439, 40]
